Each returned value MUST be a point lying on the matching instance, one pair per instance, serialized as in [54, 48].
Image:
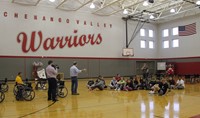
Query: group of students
[118, 83]
[165, 85]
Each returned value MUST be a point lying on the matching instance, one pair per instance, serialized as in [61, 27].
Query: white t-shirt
[180, 82]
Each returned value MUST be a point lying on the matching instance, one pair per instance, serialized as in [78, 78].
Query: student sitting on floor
[180, 84]
[135, 83]
[160, 88]
[118, 77]
[171, 83]
[120, 84]
[99, 83]
[129, 85]
[90, 83]
[113, 83]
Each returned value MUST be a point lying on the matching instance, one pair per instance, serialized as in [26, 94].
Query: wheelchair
[61, 91]
[24, 92]
[4, 86]
[41, 84]
[2, 95]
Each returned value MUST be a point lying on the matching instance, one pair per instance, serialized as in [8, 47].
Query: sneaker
[55, 100]
[49, 99]
[151, 92]
[75, 94]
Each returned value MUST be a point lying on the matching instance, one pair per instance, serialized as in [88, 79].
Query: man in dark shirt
[163, 87]
[160, 88]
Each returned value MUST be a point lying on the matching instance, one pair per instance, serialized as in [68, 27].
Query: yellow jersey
[18, 80]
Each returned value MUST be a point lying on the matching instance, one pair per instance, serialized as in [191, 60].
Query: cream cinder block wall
[188, 45]
[111, 38]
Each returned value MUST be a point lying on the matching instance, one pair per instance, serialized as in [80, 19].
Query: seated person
[120, 84]
[90, 83]
[18, 79]
[142, 84]
[113, 83]
[99, 83]
[20, 86]
[171, 83]
[160, 88]
[180, 84]
[135, 83]
[118, 77]
[129, 85]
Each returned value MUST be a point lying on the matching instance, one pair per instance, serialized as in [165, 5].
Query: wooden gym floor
[105, 104]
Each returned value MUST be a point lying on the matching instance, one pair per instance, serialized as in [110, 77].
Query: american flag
[187, 30]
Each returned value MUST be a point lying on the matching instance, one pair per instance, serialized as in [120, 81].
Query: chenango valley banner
[46, 31]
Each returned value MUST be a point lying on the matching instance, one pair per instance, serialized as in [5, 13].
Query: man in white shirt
[74, 71]
[180, 84]
[51, 72]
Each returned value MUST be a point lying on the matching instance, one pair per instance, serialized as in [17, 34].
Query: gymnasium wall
[105, 67]
[188, 45]
[49, 32]
[184, 66]
[40, 33]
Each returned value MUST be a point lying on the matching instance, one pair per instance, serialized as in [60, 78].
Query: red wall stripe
[183, 68]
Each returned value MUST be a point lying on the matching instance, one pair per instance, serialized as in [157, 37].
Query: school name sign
[35, 40]
[50, 43]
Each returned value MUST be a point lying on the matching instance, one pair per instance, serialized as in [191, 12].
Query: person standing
[52, 72]
[170, 71]
[74, 80]
[145, 72]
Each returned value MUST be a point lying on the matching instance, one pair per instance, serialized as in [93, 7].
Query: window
[142, 44]
[165, 44]
[165, 32]
[150, 33]
[175, 31]
[142, 32]
[151, 46]
[175, 43]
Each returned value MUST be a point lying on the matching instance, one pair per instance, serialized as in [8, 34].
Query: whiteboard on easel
[41, 74]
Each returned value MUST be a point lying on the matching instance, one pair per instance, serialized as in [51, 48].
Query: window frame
[141, 32]
[150, 33]
[174, 46]
[163, 34]
[144, 43]
[152, 45]
[164, 44]
[176, 32]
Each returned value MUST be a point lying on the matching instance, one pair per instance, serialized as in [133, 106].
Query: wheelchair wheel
[4, 87]
[28, 95]
[2, 96]
[15, 89]
[62, 92]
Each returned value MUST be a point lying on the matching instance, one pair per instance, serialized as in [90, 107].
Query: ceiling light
[52, 0]
[151, 17]
[198, 2]
[173, 10]
[145, 3]
[92, 6]
[125, 11]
